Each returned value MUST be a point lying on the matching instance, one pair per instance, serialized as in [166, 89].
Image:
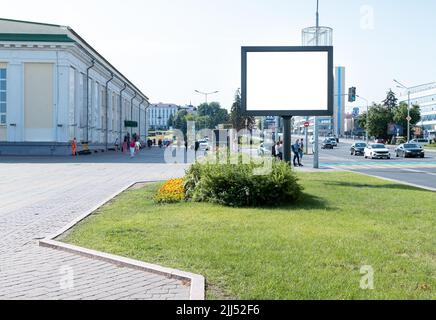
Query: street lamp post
[206, 94]
[367, 116]
[402, 86]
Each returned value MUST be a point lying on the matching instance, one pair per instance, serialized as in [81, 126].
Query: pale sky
[169, 48]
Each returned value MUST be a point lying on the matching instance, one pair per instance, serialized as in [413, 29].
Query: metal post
[307, 137]
[287, 140]
[408, 116]
[315, 119]
[316, 144]
[367, 123]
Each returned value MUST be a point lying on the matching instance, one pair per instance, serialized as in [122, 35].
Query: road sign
[307, 124]
[409, 118]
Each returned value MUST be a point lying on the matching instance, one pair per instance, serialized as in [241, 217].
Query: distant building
[159, 114]
[425, 97]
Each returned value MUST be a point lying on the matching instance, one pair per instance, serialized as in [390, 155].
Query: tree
[237, 118]
[380, 117]
[401, 112]
[215, 113]
[391, 100]
[171, 121]
[180, 122]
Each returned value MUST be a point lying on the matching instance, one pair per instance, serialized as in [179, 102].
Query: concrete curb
[197, 282]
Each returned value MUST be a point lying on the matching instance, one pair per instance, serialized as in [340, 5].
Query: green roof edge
[33, 37]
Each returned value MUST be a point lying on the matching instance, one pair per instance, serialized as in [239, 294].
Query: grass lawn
[311, 251]
[431, 146]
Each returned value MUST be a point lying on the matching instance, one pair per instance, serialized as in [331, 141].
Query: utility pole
[402, 86]
[315, 120]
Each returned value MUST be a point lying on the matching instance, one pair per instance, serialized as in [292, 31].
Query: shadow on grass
[371, 186]
[306, 202]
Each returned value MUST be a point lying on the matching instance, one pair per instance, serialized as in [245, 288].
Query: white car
[421, 142]
[204, 145]
[377, 151]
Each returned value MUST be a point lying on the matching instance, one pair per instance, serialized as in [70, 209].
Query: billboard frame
[288, 113]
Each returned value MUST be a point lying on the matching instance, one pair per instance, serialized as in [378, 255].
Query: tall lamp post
[402, 86]
[206, 94]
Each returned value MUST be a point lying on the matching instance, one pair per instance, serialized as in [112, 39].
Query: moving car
[377, 151]
[333, 141]
[410, 150]
[358, 149]
[421, 142]
[327, 144]
[380, 141]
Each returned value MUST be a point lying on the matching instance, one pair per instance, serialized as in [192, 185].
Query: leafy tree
[214, 112]
[170, 121]
[401, 112]
[391, 100]
[380, 117]
[180, 122]
[237, 118]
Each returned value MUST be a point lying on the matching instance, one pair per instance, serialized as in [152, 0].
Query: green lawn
[431, 146]
[311, 251]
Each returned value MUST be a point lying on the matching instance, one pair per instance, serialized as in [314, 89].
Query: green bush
[236, 185]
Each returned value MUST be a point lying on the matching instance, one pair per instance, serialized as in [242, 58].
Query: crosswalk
[380, 165]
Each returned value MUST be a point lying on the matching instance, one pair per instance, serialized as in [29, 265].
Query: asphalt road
[416, 172]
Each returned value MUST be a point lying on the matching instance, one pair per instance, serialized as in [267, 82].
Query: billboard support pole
[287, 140]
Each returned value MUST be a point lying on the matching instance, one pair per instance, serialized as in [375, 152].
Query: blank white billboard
[287, 81]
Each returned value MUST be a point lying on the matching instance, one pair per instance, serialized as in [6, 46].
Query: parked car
[421, 142]
[377, 151]
[327, 144]
[410, 150]
[358, 149]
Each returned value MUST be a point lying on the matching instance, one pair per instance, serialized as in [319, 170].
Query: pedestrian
[274, 151]
[138, 146]
[301, 150]
[279, 150]
[125, 145]
[132, 148]
[296, 151]
[74, 147]
[117, 145]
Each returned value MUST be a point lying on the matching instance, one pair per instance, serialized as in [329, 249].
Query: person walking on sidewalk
[301, 150]
[74, 147]
[132, 148]
[296, 151]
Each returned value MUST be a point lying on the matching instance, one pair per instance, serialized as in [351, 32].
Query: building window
[3, 96]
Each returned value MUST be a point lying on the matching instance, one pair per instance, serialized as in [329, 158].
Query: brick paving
[39, 196]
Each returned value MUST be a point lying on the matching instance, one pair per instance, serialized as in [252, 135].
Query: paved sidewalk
[41, 196]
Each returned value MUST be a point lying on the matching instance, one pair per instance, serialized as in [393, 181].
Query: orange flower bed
[172, 191]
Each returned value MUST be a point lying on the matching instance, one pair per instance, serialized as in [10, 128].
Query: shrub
[171, 192]
[237, 186]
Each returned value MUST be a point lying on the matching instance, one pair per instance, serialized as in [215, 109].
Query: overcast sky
[169, 48]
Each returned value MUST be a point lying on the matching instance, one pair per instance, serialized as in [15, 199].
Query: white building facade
[55, 87]
[159, 115]
[425, 97]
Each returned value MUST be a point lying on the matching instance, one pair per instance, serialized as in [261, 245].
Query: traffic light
[352, 94]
